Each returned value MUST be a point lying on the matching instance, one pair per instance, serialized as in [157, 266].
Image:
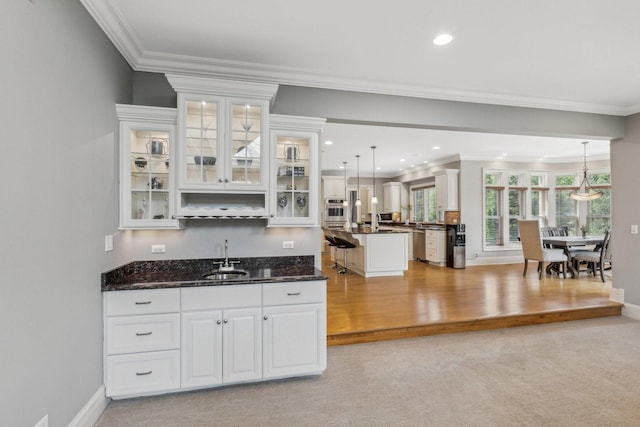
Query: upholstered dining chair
[596, 259]
[532, 249]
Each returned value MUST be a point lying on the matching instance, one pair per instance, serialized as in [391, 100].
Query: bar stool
[344, 244]
[332, 243]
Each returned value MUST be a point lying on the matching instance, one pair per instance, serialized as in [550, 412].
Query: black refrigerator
[456, 243]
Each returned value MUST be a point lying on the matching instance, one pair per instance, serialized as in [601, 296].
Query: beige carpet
[580, 373]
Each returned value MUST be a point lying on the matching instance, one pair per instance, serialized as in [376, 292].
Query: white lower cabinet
[219, 335]
[294, 340]
[221, 347]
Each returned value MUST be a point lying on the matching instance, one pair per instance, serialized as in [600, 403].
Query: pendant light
[585, 192]
[358, 202]
[345, 202]
[374, 199]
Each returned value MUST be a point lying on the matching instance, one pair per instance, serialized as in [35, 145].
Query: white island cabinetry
[375, 254]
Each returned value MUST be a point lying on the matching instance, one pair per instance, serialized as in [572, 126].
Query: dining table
[568, 242]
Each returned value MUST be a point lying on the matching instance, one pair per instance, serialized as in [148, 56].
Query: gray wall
[625, 155]
[61, 78]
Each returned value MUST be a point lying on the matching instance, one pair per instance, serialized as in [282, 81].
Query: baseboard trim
[92, 410]
[631, 311]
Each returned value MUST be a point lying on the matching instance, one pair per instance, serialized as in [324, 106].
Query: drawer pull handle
[143, 302]
[142, 334]
[293, 294]
[143, 373]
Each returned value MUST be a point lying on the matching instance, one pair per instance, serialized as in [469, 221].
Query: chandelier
[585, 192]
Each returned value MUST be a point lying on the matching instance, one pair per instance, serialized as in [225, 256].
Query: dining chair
[596, 259]
[532, 249]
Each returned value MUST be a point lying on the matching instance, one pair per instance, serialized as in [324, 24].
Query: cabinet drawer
[221, 297]
[294, 293]
[139, 373]
[130, 334]
[149, 301]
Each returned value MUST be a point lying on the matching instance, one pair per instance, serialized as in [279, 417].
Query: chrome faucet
[226, 265]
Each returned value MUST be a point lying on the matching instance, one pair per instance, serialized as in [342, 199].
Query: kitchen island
[178, 325]
[376, 253]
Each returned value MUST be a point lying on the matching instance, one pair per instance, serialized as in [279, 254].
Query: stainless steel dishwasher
[419, 249]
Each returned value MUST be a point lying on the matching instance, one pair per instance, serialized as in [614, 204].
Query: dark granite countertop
[190, 272]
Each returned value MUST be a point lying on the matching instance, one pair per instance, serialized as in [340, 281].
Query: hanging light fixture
[358, 202]
[585, 192]
[374, 199]
[345, 202]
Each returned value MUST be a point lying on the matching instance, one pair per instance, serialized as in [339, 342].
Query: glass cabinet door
[147, 188]
[245, 143]
[292, 175]
[294, 182]
[201, 151]
[149, 166]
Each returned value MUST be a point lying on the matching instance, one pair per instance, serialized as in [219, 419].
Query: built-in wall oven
[334, 213]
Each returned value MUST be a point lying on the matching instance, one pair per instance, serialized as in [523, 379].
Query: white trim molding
[631, 311]
[92, 410]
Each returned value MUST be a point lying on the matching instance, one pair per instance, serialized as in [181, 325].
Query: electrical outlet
[108, 242]
[158, 249]
[634, 229]
[476, 255]
[287, 244]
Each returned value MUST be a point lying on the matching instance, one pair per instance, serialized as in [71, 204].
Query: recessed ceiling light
[341, 167]
[426, 161]
[443, 39]
[403, 160]
[436, 148]
[378, 168]
[328, 142]
[412, 166]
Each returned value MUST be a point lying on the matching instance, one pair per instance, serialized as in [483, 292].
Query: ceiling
[574, 55]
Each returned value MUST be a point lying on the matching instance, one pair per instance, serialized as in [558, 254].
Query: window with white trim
[424, 202]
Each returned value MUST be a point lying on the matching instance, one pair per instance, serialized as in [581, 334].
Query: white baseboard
[90, 413]
[631, 311]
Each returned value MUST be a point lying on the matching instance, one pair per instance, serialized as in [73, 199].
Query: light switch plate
[108, 242]
[287, 244]
[634, 229]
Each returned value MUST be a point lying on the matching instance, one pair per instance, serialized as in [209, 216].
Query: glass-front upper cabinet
[147, 150]
[294, 184]
[222, 129]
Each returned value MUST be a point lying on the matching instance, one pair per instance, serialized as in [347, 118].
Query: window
[539, 199]
[424, 202]
[599, 211]
[566, 207]
[492, 210]
[516, 206]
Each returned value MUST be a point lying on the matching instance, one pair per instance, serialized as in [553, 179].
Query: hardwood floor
[430, 300]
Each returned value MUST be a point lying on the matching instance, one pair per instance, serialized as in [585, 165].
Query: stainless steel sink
[224, 275]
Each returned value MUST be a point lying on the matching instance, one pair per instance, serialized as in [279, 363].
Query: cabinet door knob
[219, 322]
[226, 180]
[226, 320]
[266, 317]
[220, 180]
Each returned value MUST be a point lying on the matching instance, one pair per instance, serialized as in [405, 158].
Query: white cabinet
[446, 191]
[222, 133]
[294, 168]
[435, 246]
[333, 187]
[221, 335]
[142, 342]
[391, 196]
[294, 329]
[166, 340]
[147, 165]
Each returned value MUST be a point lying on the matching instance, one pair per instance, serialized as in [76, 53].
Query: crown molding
[109, 18]
[297, 123]
[149, 114]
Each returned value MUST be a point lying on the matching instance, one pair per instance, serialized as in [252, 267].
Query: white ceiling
[577, 55]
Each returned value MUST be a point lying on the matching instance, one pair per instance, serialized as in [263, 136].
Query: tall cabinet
[446, 191]
[294, 169]
[223, 146]
[147, 167]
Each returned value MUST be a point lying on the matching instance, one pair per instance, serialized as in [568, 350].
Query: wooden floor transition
[431, 300]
